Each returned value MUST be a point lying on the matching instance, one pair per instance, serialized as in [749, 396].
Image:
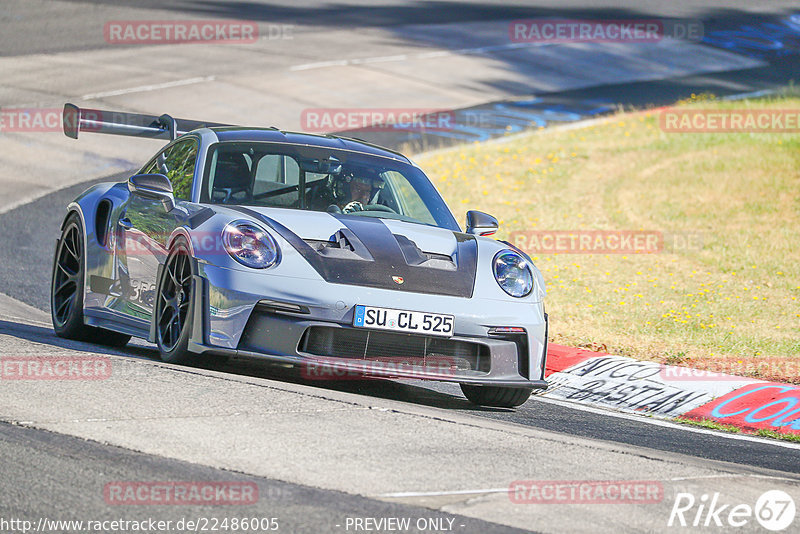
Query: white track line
[753, 94]
[404, 494]
[405, 57]
[666, 423]
[24, 320]
[411, 494]
[147, 88]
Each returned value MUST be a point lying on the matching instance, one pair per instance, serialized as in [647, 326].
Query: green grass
[733, 297]
[777, 435]
[714, 425]
[708, 423]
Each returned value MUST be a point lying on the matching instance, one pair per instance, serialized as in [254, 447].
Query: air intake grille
[373, 345]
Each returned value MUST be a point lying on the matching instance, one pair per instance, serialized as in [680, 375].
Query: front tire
[66, 290]
[174, 312]
[496, 396]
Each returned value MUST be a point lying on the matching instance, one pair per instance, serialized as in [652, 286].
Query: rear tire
[496, 396]
[66, 290]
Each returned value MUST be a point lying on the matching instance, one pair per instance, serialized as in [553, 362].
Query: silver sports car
[327, 253]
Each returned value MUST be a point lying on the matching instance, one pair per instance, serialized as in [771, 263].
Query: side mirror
[153, 186]
[479, 223]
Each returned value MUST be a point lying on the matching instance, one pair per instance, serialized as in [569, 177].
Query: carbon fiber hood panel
[363, 251]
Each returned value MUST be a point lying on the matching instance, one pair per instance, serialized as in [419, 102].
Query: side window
[400, 195]
[176, 163]
[274, 171]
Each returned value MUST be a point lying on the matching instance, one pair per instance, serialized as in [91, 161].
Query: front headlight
[250, 245]
[513, 273]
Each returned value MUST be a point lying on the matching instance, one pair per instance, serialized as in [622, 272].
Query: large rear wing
[78, 120]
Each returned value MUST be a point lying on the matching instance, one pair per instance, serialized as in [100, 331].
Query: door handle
[125, 223]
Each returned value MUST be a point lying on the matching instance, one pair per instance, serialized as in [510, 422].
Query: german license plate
[412, 322]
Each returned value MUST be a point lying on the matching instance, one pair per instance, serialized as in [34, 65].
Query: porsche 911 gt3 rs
[301, 249]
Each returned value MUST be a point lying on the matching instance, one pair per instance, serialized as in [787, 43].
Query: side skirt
[110, 320]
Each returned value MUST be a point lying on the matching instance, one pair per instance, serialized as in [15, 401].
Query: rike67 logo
[774, 510]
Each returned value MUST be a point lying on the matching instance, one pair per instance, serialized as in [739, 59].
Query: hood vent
[415, 256]
[342, 244]
[345, 244]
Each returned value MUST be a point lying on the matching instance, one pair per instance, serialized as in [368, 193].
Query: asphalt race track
[299, 508]
[26, 225]
[325, 453]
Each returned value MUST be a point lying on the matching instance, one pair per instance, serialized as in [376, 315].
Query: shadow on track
[138, 349]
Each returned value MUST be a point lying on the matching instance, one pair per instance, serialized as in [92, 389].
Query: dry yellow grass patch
[735, 295]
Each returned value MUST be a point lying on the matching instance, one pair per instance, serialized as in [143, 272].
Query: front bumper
[252, 316]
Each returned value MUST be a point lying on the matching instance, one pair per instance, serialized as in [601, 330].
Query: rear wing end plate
[78, 120]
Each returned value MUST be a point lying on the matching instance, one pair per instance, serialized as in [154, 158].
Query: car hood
[385, 253]
[321, 226]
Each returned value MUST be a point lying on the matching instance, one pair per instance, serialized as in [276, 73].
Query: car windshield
[321, 179]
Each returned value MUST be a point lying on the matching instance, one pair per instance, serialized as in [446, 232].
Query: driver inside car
[361, 193]
[355, 192]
